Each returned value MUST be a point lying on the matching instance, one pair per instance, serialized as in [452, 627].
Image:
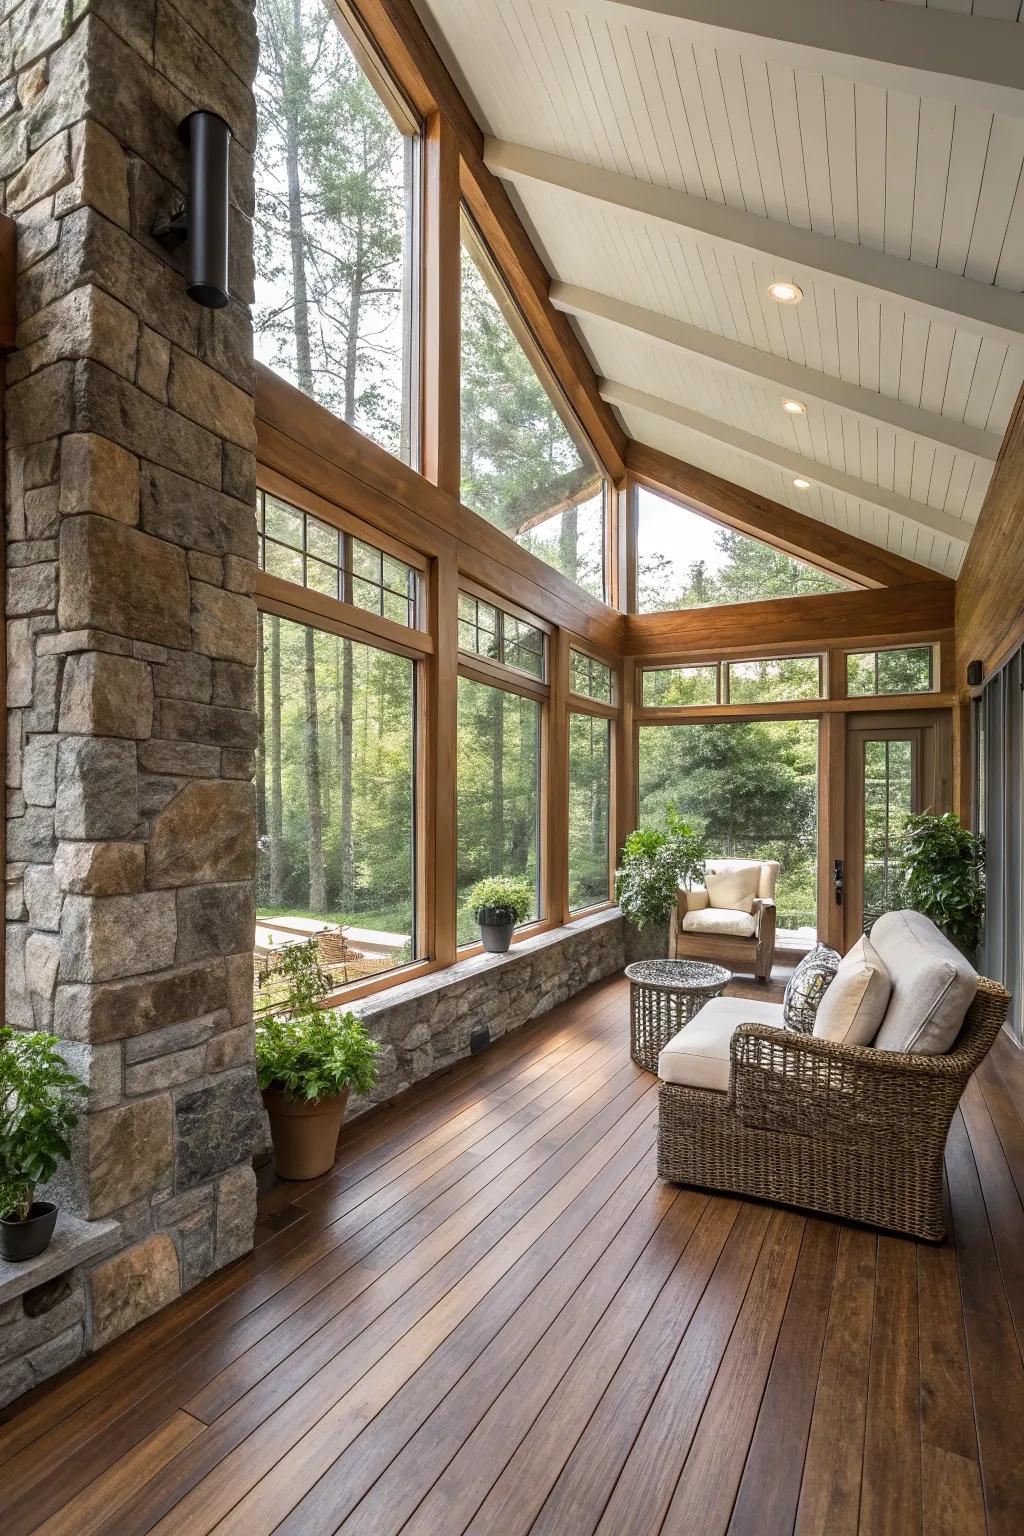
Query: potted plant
[38, 1099]
[308, 1058]
[499, 903]
[943, 868]
[653, 866]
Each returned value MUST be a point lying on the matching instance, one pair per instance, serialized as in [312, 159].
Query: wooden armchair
[741, 938]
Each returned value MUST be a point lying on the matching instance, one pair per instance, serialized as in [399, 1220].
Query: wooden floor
[493, 1317]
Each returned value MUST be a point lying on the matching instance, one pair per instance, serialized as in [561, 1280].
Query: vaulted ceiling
[672, 158]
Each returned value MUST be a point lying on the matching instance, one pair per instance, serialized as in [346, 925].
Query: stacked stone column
[132, 635]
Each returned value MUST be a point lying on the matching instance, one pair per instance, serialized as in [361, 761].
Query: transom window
[904, 669]
[488, 631]
[336, 227]
[760, 680]
[589, 678]
[299, 547]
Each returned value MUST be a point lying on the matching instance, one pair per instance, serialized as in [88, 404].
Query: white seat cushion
[854, 1003]
[733, 888]
[720, 920]
[932, 985]
[698, 1057]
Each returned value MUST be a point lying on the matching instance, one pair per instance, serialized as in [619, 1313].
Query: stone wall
[130, 483]
[423, 1026]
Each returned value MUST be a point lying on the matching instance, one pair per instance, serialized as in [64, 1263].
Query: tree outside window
[333, 232]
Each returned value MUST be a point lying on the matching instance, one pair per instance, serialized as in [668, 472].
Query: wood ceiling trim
[628, 398]
[886, 615]
[763, 367]
[805, 255]
[974, 61]
[792, 532]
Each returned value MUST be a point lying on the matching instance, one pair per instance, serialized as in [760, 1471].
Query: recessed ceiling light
[785, 293]
[802, 484]
[794, 407]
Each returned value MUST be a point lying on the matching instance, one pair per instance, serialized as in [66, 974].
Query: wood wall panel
[990, 591]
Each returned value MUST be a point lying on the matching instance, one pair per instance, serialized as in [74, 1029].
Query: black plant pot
[21, 1240]
[496, 936]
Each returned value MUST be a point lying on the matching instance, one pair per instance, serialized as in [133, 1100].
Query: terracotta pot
[21, 1240]
[305, 1135]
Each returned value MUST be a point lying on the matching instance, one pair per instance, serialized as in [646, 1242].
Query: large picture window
[335, 802]
[526, 466]
[498, 787]
[335, 223]
[590, 777]
[751, 788]
[685, 560]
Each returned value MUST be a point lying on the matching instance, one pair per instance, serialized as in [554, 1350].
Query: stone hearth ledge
[424, 1025]
[74, 1242]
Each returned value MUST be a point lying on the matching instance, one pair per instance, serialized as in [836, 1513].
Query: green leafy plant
[38, 1098]
[305, 1048]
[501, 899]
[944, 875]
[653, 866]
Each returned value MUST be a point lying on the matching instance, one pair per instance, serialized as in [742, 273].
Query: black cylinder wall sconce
[203, 220]
[975, 674]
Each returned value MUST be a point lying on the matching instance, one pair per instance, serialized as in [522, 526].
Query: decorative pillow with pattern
[806, 987]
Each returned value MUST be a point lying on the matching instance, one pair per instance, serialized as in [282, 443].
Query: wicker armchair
[848, 1131]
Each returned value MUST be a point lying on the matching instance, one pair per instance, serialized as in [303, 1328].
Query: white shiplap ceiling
[671, 158]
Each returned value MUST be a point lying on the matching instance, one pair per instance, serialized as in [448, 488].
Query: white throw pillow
[933, 985]
[853, 1007]
[735, 889]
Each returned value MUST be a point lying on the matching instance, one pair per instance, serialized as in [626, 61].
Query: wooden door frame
[932, 789]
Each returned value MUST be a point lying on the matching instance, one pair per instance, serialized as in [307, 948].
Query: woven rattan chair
[848, 1131]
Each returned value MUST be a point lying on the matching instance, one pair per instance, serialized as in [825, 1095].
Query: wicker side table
[663, 996]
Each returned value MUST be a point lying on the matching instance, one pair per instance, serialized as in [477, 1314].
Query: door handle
[838, 881]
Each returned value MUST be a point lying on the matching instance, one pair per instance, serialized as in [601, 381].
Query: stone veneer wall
[425, 1025]
[130, 482]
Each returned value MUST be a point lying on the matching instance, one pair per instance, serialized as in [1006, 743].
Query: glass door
[893, 770]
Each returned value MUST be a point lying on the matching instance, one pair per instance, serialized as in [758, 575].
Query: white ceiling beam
[803, 256]
[976, 61]
[627, 398]
[761, 367]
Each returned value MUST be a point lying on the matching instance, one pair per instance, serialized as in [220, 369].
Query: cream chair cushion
[932, 985]
[698, 1057]
[734, 889]
[720, 920]
[854, 1004]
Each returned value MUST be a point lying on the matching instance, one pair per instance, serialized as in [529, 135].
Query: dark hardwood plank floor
[492, 1317]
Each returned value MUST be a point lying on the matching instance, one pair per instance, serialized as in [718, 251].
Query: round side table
[663, 996]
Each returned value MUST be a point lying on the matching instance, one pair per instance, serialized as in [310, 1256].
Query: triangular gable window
[686, 560]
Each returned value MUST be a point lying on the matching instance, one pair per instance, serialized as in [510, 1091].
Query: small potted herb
[499, 903]
[308, 1058]
[38, 1111]
[654, 865]
[943, 868]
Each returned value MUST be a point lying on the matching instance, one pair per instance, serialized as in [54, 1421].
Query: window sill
[480, 961]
